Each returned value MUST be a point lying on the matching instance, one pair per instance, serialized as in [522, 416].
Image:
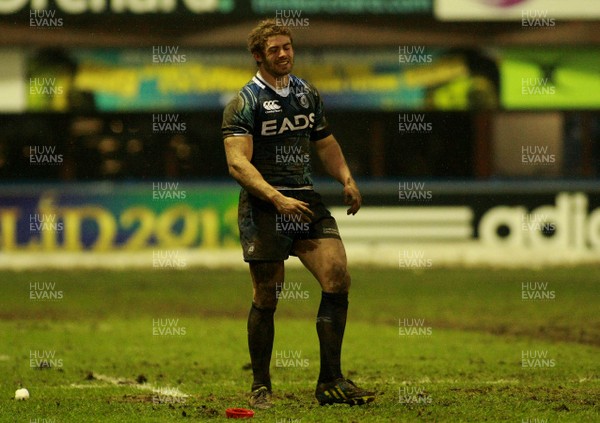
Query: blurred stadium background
[473, 127]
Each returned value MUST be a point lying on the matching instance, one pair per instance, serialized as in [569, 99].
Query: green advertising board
[550, 78]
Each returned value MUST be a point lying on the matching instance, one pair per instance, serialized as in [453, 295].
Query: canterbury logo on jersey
[269, 127]
[271, 106]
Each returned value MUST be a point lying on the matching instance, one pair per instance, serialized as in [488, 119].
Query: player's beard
[276, 69]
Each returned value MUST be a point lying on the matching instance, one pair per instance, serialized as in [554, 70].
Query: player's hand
[289, 205]
[352, 197]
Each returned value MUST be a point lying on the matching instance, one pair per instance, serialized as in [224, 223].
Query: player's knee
[338, 278]
[266, 298]
[266, 276]
[348, 281]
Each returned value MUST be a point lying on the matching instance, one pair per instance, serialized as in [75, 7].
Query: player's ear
[257, 57]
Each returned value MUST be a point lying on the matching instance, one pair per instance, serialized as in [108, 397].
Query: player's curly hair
[257, 39]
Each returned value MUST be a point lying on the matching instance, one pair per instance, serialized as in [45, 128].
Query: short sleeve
[238, 117]
[321, 127]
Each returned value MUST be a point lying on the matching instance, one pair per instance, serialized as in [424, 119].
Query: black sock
[331, 322]
[261, 332]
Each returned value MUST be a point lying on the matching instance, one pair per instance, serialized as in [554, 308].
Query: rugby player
[268, 130]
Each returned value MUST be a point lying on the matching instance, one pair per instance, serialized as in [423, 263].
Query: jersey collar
[283, 92]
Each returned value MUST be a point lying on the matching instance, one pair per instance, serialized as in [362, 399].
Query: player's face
[278, 57]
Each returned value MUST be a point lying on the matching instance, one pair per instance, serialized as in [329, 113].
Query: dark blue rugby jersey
[281, 128]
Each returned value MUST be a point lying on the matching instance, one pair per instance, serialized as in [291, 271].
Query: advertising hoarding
[137, 216]
[530, 12]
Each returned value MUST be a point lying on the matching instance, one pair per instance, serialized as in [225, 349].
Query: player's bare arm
[333, 160]
[238, 150]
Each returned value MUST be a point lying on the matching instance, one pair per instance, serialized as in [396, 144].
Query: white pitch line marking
[163, 391]
[80, 386]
